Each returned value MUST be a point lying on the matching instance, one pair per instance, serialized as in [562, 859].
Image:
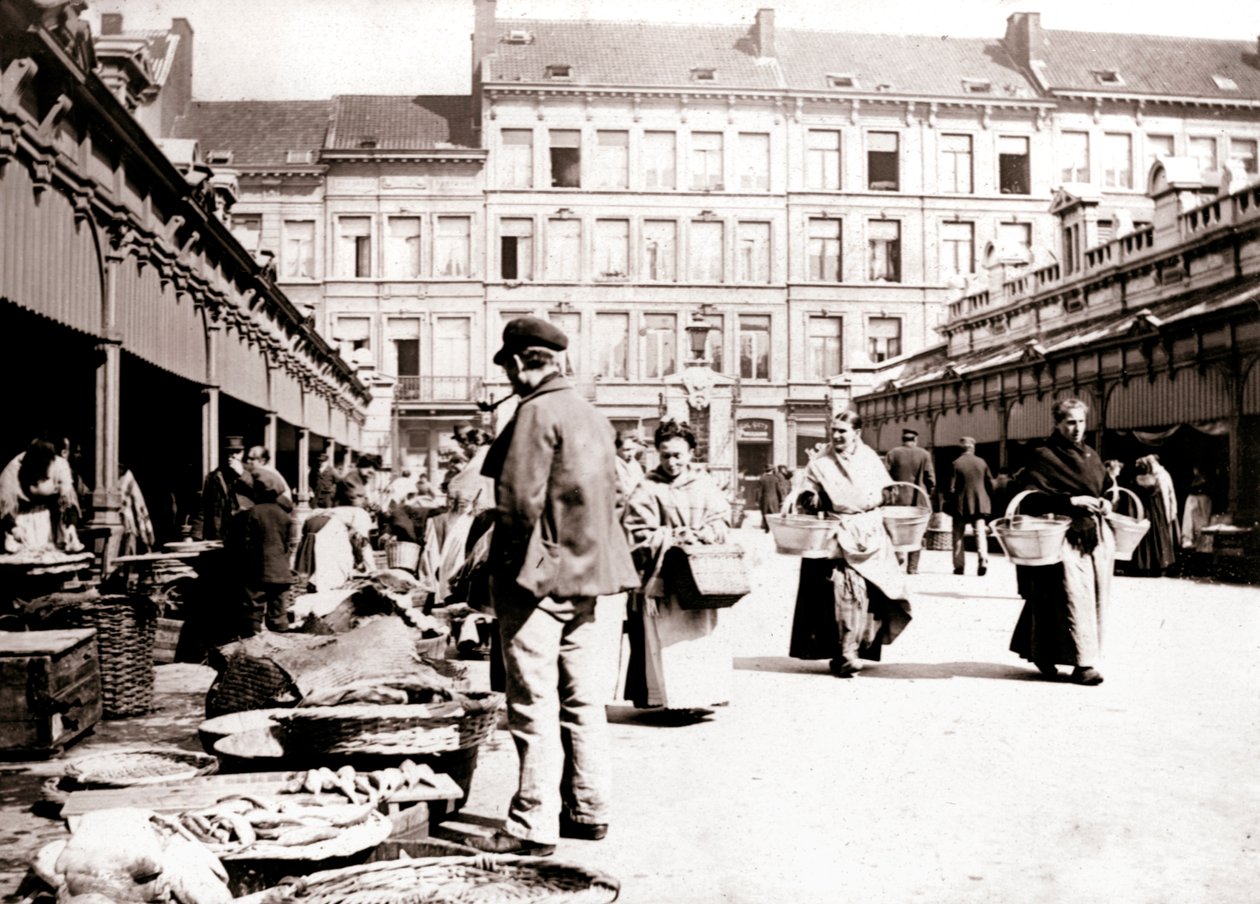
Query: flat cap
[909, 434]
[530, 332]
[967, 441]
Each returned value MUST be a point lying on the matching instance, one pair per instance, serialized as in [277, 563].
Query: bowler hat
[233, 444]
[530, 332]
[967, 441]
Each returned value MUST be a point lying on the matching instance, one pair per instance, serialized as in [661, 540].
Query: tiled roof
[1150, 64]
[396, 123]
[258, 133]
[657, 55]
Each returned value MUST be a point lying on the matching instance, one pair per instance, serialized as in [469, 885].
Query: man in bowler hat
[219, 499]
[911, 464]
[967, 501]
[557, 545]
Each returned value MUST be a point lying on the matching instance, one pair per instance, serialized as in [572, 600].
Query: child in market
[265, 558]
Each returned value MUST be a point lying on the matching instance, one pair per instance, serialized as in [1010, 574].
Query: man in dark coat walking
[557, 545]
[770, 485]
[219, 493]
[967, 502]
[911, 464]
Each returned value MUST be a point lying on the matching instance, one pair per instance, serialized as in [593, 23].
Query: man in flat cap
[557, 545]
[967, 501]
[911, 464]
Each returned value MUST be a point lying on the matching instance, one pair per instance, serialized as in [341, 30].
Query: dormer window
[842, 80]
[299, 156]
[703, 74]
[1107, 77]
[518, 36]
[365, 143]
[1225, 83]
[884, 86]
[977, 86]
[219, 158]
[559, 71]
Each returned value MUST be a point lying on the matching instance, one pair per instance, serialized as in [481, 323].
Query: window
[351, 334]
[825, 261]
[754, 346]
[1013, 168]
[564, 249]
[883, 171]
[571, 324]
[958, 249]
[612, 332]
[1074, 157]
[248, 231]
[706, 160]
[402, 346]
[354, 246]
[883, 240]
[977, 86]
[660, 336]
[1225, 83]
[611, 159]
[453, 336]
[1015, 239]
[955, 175]
[516, 248]
[754, 161]
[1107, 77]
[612, 249]
[660, 250]
[297, 249]
[559, 71]
[1204, 151]
[659, 156]
[1157, 148]
[713, 340]
[842, 80]
[566, 158]
[883, 338]
[452, 246]
[402, 248]
[752, 252]
[822, 160]
[516, 159]
[826, 353]
[1118, 161]
[705, 251]
[703, 74]
[1242, 152]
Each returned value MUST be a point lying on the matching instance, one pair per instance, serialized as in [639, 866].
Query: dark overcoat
[266, 540]
[556, 529]
[969, 487]
[911, 464]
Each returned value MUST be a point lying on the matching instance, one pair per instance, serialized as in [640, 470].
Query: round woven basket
[125, 627]
[1128, 531]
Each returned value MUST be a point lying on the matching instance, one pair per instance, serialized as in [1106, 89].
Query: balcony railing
[437, 389]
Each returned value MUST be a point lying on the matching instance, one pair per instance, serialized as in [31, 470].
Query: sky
[313, 49]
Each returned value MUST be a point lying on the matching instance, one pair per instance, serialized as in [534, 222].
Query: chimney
[484, 38]
[1023, 37]
[111, 23]
[765, 33]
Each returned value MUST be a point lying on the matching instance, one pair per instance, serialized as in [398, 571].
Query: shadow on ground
[895, 670]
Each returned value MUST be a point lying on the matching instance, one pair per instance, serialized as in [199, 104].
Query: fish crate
[50, 690]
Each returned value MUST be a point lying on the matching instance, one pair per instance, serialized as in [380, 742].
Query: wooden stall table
[1232, 545]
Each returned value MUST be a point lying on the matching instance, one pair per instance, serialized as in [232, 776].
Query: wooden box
[50, 688]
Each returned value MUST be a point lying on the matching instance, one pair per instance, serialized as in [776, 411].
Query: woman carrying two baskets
[853, 601]
[1064, 602]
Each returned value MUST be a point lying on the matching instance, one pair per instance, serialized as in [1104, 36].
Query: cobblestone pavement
[948, 773]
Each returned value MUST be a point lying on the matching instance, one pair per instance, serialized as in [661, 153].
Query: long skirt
[1064, 606]
[679, 658]
[839, 614]
[1157, 552]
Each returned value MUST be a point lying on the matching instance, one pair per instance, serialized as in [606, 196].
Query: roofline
[1132, 97]
[765, 93]
[377, 155]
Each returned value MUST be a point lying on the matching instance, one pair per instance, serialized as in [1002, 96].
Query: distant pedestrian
[326, 482]
[968, 502]
[1065, 603]
[264, 556]
[770, 485]
[910, 464]
[629, 470]
[1156, 553]
[219, 493]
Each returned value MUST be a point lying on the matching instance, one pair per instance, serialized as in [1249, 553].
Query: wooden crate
[166, 639]
[50, 689]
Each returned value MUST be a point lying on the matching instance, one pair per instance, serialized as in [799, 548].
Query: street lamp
[698, 338]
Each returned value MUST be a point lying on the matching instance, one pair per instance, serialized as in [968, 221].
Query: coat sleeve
[646, 529]
[929, 475]
[521, 491]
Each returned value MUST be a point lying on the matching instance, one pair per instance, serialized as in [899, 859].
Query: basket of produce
[807, 536]
[458, 724]
[256, 827]
[126, 768]
[404, 555]
[1031, 539]
[125, 627]
[448, 880]
[906, 524]
[1128, 530]
[940, 532]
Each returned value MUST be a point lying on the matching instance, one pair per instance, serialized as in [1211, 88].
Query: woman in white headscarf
[1158, 550]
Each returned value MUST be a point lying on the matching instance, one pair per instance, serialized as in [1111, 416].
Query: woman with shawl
[1157, 551]
[1064, 603]
[676, 659]
[853, 602]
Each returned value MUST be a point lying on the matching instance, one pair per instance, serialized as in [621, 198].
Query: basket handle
[915, 486]
[1013, 505]
[1116, 488]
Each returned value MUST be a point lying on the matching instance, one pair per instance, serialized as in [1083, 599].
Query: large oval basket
[906, 524]
[1031, 539]
[806, 536]
[1129, 531]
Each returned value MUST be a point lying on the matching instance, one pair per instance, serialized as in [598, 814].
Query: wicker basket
[125, 627]
[404, 555]
[1031, 540]
[400, 729]
[1129, 531]
[449, 880]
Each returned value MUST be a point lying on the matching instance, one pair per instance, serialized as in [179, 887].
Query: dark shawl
[1061, 469]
